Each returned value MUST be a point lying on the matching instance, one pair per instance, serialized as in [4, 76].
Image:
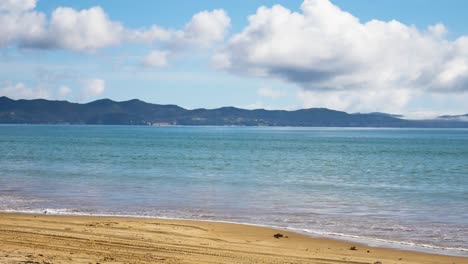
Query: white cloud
[205, 28]
[21, 91]
[83, 30]
[17, 5]
[156, 59]
[438, 30]
[270, 92]
[90, 29]
[154, 33]
[92, 88]
[20, 27]
[338, 59]
[202, 31]
[368, 101]
[64, 91]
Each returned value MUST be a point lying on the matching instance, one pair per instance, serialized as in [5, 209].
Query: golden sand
[72, 239]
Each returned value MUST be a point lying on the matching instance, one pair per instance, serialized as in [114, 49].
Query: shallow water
[405, 188]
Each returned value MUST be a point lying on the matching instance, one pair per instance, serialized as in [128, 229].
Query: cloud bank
[22, 91]
[90, 29]
[86, 89]
[335, 57]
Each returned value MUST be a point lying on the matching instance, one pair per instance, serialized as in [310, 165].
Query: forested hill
[136, 112]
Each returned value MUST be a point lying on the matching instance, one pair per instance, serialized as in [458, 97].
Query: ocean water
[404, 188]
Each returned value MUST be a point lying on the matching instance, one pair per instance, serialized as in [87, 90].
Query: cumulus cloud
[438, 30]
[330, 53]
[150, 35]
[22, 91]
[69, 29]
[83, 30]
[205, 28]
[88, 89]
[156, 59]
[202, 31]
[17, 5]
[92, 88]
[90, 29]
[19, 23]
[270, 92]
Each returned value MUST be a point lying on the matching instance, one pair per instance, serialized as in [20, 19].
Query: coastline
[353, 239]
[103, 239]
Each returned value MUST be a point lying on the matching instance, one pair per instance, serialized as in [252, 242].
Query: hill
[136, 112]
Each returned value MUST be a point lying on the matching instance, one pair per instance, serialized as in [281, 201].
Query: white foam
[372, 241]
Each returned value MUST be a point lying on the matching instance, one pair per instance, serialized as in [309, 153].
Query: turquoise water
[404, 188]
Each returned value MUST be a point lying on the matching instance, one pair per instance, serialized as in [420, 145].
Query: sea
[398, 188]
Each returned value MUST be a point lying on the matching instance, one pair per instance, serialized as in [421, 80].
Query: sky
[394, 56]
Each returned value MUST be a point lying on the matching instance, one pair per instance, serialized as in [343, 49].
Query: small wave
[372, 241]
[42, 211]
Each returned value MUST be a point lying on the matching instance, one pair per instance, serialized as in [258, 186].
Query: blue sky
[408, 57]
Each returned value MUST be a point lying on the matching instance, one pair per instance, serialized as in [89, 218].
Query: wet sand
[81, 239]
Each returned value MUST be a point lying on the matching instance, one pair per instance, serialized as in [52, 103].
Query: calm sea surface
[405, 188]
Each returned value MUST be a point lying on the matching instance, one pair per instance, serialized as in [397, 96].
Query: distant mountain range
[136, 112]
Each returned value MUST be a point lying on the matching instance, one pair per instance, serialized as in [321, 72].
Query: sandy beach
[82, 239]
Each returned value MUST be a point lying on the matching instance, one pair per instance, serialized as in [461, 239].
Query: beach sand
[82, 239]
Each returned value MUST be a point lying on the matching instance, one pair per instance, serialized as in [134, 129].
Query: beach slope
[81, 239]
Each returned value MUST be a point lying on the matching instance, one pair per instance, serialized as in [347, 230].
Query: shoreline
[362, 240]
[118, 239]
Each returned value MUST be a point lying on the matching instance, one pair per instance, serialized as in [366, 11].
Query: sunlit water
[403, 188]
